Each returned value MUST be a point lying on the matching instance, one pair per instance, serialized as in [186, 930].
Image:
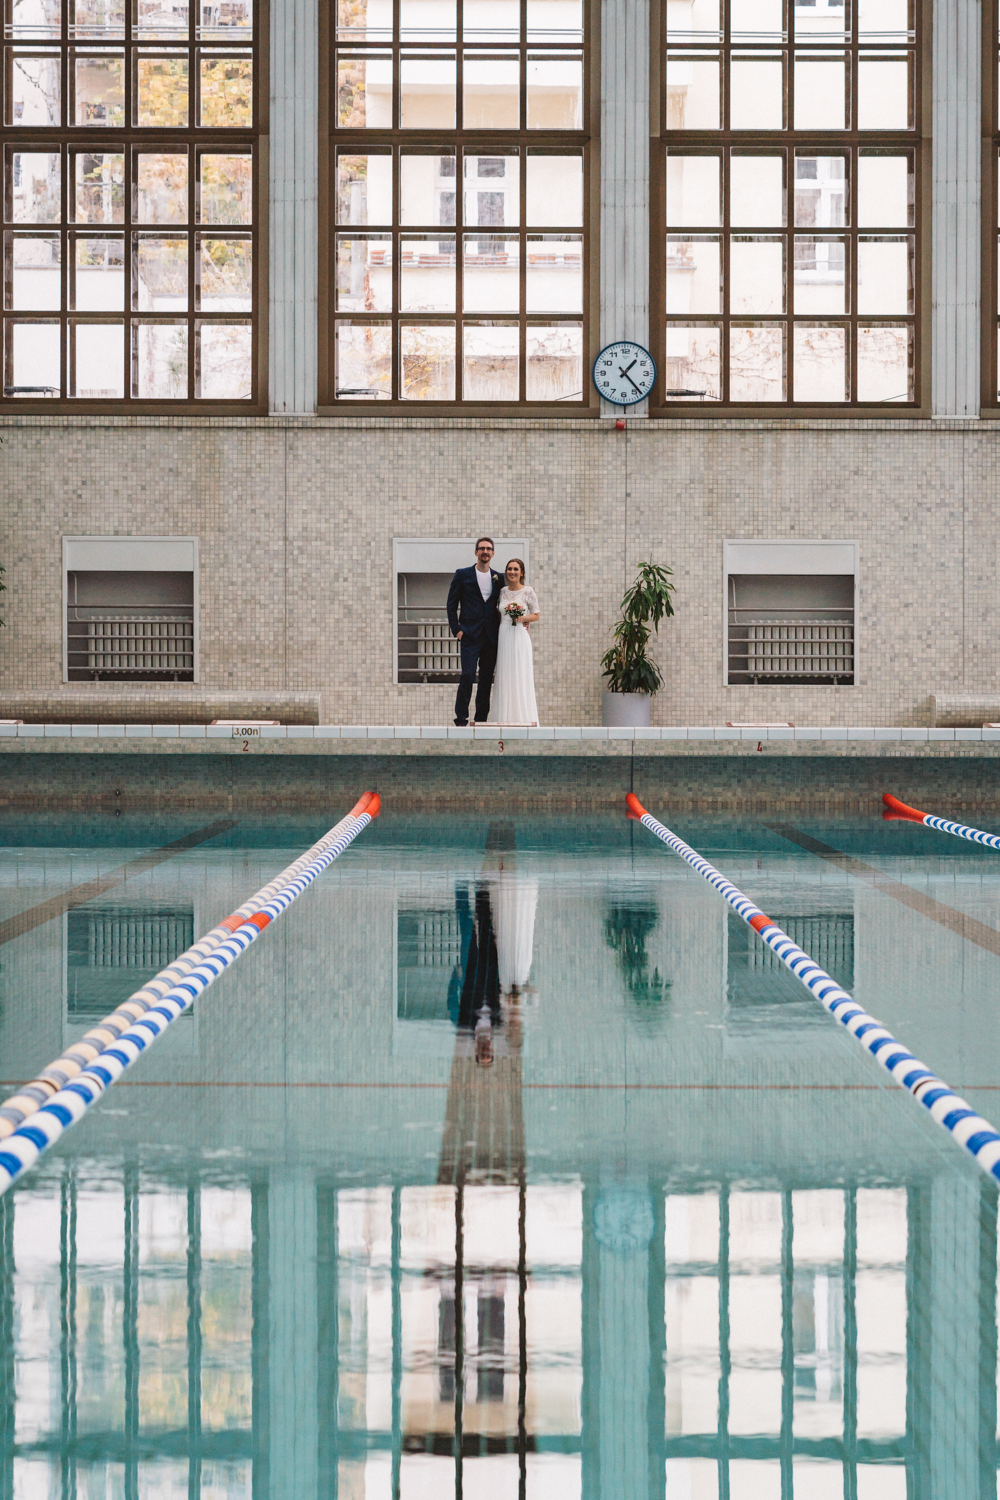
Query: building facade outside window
[130, 201]
[455, 258]
[786, 240]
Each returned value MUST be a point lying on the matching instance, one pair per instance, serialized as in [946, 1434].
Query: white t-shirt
[485, 581]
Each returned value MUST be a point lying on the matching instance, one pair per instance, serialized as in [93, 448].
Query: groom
[474, 617]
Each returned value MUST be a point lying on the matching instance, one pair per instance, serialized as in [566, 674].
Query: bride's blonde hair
[524, 573]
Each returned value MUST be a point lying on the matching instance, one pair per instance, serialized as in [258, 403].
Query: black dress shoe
[462, 723]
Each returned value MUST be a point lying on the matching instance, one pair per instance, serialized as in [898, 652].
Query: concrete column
[293, 1361]
[953, 1362]
[955, 237]
[624, 178]
[294, 180]
[623, 1225]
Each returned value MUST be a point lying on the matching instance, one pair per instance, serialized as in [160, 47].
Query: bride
[514, 678]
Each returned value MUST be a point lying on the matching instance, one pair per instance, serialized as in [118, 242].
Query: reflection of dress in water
[515, 898]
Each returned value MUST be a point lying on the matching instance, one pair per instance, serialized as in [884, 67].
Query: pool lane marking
[947, 1108]
[76, 895]
[955, 921]
[35, 1118]
[899, 811]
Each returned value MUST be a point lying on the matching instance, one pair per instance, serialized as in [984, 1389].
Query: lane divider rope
[946, 1107]
[35, 1118]
[899, 810]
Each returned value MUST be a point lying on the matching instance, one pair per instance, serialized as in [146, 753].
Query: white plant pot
[626, 709]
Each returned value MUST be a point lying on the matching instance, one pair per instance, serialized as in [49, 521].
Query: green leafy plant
[647, 602]
[627, 925]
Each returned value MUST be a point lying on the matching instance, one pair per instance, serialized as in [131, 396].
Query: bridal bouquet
[514, 612]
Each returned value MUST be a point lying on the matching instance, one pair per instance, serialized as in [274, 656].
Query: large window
[457, 266]
[129, 201]
[787, 229]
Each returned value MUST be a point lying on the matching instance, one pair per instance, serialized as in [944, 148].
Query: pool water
[508, 1164]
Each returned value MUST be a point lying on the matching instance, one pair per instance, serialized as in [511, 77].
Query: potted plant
[632, 677]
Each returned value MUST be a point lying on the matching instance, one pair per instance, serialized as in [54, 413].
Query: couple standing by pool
[490, 615]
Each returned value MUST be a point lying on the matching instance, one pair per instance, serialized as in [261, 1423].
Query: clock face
[624, 373]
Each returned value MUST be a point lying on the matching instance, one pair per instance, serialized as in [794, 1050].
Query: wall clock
[624, 373]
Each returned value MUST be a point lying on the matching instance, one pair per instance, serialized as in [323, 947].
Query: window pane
[756, 275]
[554, 189]
[160, 362]
[885, 275]
[756, 20]
[554, 362]
[694, 274]
[159, 273]
[34, 93]
[99, 274]
[548, 20]
[35, 18]
[230, 20]
[225, 275]
[34, 272]
[364, 20]
[427, 190]
[32, 366]
[756, 94]
[364, 92]
[225, 189]
[426, 273]
[820, 274]
[554, 276]
[884, 94]
[693, 190]
[492, 268]
[821, 195]
[99, 89]
[364, 273]
[496, 20]
[491, 191]
[363, 353]
[693, 91]
[830, 19]
[32, 187]
[555, 92]
[426, 93]
[885, 364]
[881, 19]
[226, 92]
[490, 362]
[427, 362]
[154, 18]
[820, 93]
[99, 187]
[757, 191]
[162, 84]
[687, 20]
[885, 191]
[491, 93]
[223, 361]
[99, 350]
[364, 188]
[693, 1476]
[423, 22]
[692, 369]
[757, 373]
[161, 188]
[691, 1372]
[820, 355]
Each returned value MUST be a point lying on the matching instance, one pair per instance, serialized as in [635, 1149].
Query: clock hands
[628, 376]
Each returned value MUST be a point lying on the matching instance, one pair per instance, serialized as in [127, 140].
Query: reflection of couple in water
[497, 924]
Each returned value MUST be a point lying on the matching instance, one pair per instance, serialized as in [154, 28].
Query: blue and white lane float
[950, 1111]
[899, 810]
[165, 998]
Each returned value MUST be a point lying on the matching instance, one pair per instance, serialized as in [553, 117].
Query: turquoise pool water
[507, 1164]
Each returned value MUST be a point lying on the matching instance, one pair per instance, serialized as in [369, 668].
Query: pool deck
[581, 741]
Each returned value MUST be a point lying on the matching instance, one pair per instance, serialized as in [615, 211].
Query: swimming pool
[508, 1163]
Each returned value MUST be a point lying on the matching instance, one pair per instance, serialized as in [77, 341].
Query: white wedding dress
[513, 698]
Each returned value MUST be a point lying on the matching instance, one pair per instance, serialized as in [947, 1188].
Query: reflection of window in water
[761, 990]
[112, 951]
[429, 949]
[785, 1384]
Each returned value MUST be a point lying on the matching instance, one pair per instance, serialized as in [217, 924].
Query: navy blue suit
[479, 621]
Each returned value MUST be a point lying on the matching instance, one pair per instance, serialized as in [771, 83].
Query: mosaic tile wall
[110, 786]
[296, 519]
